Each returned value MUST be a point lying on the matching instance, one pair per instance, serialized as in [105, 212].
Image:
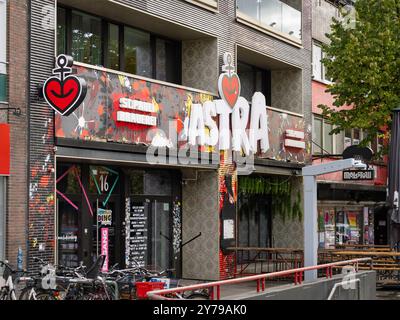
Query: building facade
[14, 75]
[350, 212]
[150, 66]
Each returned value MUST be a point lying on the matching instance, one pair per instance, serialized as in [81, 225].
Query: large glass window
[323, 140]
[168, 61]
[3, 50]
[254, 79]
[319, 69]
[137, 52]
[96, 41]
[282, 16]
[86, 38]
[113, 47]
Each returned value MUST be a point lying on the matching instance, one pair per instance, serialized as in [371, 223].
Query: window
[254, 79]
[93, 40]
[319, 70]
[3, 50]
[86, 38]
[113, 50]
[283, 16]
[323, 141]
[137, 52]
[377, 143]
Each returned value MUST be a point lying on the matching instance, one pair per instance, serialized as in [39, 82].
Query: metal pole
[310, 226]
[97, 228]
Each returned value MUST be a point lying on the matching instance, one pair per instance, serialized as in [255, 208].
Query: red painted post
[263, 284]
[258, 285]
[301, 277]
[295, 278]
[327, 272]
[218, 292]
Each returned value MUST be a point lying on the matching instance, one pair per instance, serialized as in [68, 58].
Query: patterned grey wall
[200, 258]
[287, 90]
[322, 14]
[289, 233]
[200, 64]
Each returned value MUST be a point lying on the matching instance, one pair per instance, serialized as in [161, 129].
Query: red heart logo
[65, 96]
[230, 89]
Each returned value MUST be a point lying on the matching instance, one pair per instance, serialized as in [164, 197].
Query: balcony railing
[274, 14]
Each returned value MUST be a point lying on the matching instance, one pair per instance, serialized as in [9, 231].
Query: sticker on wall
[64, 92]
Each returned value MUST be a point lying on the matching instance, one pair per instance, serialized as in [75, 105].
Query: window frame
[265, 79]
[105, 22]
[262, 27]
[4, 48]
[321, 67]
[322, 150]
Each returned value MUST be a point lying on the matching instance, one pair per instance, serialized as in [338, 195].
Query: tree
[363, 61]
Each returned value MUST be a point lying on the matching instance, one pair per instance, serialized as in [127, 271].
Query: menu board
[136, 233]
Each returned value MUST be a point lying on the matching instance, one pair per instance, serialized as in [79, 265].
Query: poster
[104, 248]
[136, 234]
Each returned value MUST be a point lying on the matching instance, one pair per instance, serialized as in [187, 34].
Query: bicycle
[7, 286]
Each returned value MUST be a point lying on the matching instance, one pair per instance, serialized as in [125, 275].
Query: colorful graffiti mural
[105, 117]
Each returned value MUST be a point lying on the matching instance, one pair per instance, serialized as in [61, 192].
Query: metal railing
[215, 287]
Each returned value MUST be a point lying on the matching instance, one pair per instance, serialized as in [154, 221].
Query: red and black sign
[64, 92]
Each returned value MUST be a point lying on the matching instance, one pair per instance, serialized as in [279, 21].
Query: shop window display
[341, 226]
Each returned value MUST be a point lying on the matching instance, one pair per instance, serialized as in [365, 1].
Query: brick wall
[17, 193]
[41, 159]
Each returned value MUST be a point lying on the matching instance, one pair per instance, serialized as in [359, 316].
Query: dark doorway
[255, 221]
[381, 226]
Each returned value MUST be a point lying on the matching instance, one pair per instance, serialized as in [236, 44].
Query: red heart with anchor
[64, 96]
[229, 88]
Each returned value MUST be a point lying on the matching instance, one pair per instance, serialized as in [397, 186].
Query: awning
[4, 149]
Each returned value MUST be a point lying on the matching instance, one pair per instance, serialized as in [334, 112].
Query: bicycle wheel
[46, 296]
[198, 296]
[26, 294]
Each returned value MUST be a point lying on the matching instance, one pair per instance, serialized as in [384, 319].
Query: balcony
[281, 18]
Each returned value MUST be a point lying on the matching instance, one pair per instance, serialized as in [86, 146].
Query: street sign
[359, 175]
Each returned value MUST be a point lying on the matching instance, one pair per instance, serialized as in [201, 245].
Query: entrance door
[381, 226]
[149, 232]
[105, 236]
[83, 193]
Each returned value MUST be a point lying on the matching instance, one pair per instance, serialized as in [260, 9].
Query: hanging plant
[281, 191]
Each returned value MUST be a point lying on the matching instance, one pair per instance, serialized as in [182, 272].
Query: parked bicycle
[7, 281]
